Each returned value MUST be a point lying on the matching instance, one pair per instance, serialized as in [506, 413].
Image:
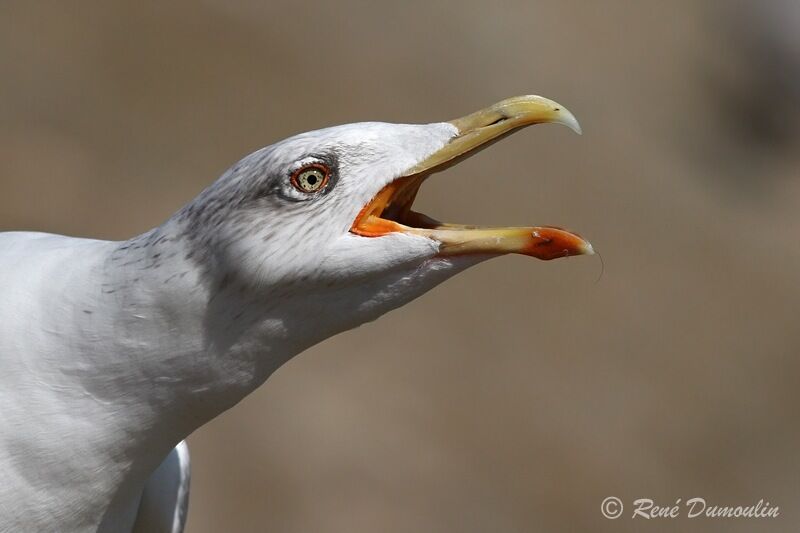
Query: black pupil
[311, 179]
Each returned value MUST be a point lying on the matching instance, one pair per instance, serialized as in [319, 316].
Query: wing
[165, 500]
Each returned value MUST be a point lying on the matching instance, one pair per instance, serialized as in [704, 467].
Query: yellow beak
[390, 211]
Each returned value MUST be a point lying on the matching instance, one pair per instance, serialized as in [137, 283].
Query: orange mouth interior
[390, 210]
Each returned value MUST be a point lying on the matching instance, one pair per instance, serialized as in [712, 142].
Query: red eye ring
[311, 178]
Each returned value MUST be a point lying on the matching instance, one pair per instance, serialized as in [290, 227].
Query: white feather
[111, 353]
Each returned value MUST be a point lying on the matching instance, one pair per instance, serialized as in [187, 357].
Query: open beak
[390, 210]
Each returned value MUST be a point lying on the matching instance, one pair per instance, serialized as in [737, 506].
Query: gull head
[332, 211]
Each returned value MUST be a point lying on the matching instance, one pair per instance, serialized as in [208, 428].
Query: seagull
[112, 353]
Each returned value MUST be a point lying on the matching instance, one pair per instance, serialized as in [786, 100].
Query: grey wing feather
[165, 499]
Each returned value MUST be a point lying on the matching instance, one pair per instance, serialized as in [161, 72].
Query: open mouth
[390, 210]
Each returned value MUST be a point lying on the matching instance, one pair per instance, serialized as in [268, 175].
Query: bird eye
[311, 178]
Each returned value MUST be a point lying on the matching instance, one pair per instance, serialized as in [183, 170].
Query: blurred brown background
[517, 396]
